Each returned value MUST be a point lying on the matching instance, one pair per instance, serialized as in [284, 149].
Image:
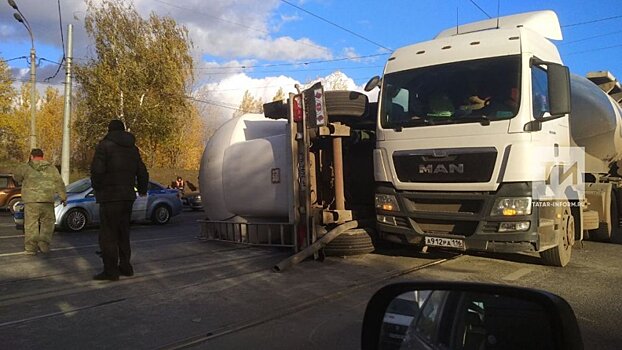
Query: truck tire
[352, 242]
[616, 230]
[345, 103]
[560, 254]
[605, 232]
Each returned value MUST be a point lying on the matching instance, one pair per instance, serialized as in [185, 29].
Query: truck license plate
[444, 242]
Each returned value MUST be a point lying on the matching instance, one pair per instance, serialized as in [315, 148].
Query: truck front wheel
[560, 254]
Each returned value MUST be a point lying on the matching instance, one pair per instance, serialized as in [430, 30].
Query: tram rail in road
[189, 293]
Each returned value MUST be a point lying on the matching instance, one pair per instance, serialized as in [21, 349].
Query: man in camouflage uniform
[40, 182]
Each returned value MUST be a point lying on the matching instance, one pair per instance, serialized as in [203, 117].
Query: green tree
[141, 74]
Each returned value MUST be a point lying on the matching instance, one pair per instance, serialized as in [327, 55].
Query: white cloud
[350, 52]
[225, 96]
[220, 99]
[219, 28]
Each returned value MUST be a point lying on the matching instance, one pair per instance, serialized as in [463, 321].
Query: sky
[261, 45]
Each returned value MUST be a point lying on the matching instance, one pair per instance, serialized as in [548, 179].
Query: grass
[160, 175]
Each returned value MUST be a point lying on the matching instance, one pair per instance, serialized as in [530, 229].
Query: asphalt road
[214, 295]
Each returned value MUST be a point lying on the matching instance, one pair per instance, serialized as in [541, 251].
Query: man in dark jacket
[117, 169]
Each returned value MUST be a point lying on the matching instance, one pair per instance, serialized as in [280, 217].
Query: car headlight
[198, 197]
[386, 202]
[511, 206]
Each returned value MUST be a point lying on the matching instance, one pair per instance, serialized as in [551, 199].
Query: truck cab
[466, 122]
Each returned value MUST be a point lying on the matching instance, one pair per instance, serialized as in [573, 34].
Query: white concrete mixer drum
[237, 169]
[595, 120]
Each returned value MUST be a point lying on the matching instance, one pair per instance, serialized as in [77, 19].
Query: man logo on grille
[441, 169]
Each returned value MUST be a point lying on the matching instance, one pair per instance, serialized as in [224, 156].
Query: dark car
[10, 192]
[192, 200]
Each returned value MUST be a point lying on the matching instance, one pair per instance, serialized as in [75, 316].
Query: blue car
[159, 206]
[18, 216]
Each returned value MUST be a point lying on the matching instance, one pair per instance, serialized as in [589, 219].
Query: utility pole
[19, 16]
[66, 149]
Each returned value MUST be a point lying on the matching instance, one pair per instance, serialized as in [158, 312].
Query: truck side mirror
[372, 83]
[559, 89]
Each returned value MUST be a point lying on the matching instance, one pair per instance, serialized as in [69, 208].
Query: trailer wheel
[345, 103]
[560, 254]
[605, 232]
[352, 242]
[616, 230]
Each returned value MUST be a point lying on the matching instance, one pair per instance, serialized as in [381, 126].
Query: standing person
[179, 184]
[40, 182]
[117, 169]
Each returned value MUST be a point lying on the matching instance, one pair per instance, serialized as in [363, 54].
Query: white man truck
[480, 140]
[484, 139]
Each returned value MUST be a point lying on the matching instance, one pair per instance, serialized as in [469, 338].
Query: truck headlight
[511, 206]
[386, 202]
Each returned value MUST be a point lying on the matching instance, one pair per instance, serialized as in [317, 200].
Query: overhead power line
[297, 70]
[590, 37]
[591, 21]
[300, 63]
[62, 40]
[336, 25]
[481, 9]
[592, 50]
[50, 61]
[15, 59]
[212, 103]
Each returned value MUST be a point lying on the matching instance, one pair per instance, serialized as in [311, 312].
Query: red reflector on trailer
[298, 108]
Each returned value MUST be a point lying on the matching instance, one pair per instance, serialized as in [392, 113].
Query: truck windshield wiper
[482, 119]
[398, 125]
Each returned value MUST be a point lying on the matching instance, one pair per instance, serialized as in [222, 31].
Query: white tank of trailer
[244, 170]
[595, 122]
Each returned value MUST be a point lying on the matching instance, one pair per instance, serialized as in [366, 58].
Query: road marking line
[73, 287]
[64, 312]
[16, 236]
[517, 274]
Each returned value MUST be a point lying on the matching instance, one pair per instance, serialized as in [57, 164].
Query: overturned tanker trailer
[298, 176]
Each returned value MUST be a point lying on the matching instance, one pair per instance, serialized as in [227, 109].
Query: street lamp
[33, 74]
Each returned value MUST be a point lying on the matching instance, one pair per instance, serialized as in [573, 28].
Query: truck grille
[458, 214]
[430, 205]
[452, 227]
[448, 165]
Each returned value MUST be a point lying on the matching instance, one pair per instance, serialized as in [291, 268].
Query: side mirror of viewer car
[459, 315]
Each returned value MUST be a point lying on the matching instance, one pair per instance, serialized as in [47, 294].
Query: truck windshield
[480, 90]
